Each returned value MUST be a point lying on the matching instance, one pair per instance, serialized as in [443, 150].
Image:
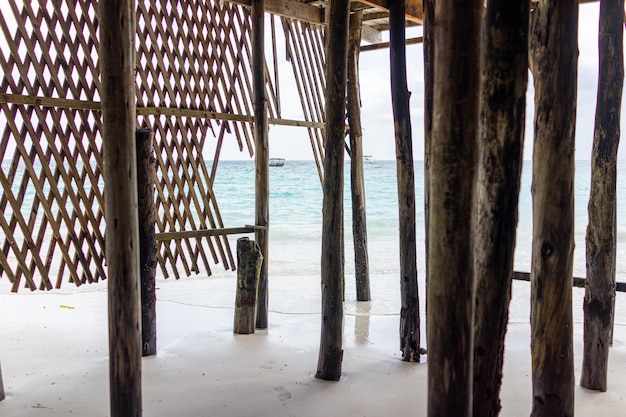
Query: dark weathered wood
[117, 66]
[262, 155]
[400, 96]
[453, 162]
[331, 352]
[2, 394]
[359, 221]
[429, 74]
[601, 230]
[147, 241]
[502, 116]
[249, 260]
[554, 56]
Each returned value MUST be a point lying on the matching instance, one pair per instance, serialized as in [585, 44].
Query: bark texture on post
[331, 351]
[249, 261]
[453, 170]
[502, 115]
[117, 66]
[429, 74]
[262, 154]
[601, 230]
[400, 96]
[359, 223]
[554, 56]
[147, 239]
[2, 395]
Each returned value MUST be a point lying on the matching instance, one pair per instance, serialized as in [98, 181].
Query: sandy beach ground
[54, 355]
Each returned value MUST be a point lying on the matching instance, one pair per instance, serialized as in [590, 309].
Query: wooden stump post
[357, 181]
[400, 97]
[450, 237]
[601, 231]
[331, 351]
[554, 59]
[147, 239]
[505, 80]
[249, 260]
[2, 395]
[117, 66]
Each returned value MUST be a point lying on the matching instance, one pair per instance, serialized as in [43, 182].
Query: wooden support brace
[249, 260]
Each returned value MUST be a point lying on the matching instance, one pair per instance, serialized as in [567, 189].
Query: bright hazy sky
[293, 143]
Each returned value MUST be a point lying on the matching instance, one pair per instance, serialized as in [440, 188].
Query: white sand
[54, 359]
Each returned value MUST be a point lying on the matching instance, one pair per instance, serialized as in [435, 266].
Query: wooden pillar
[502, 116]
[400, 96]
[554, 56]
[359, 223]
[147, 239]
[601, 230]
[249, 261]
[117, 66]
[429, 74]
[453, 171]
[262, 178]
[331, 352]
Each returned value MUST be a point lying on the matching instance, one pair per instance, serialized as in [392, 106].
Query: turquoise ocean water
[296, 214]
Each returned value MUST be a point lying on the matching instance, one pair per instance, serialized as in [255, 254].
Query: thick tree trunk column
[2, 395]
[453, 171]
[554, 56]
[117, 66]
[331, 351]
[505, 80]
[601, 231]
[429, 74]
[147, 239]
[400, 96]
[359, 223]
[262, 154]
[249, 261]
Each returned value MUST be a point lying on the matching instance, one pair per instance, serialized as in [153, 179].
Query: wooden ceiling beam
[414, 11]
[292, 9]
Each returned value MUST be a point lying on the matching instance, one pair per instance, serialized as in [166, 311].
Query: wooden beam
[188, 234]
[385, 45]
[292, 9]
[413, 12]
[369, 34]
[117, 65]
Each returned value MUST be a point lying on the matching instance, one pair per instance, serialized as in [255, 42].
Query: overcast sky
[293, 143]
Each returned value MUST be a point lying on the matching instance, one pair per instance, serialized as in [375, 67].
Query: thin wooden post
[601, 230]
[453, 171]
[117, 92]
[357, 180]
[502, 115]
[147, 239]
[429, 74]
[262, 154]
[249, 261]
[400, 96]
[331, 352]
[554, 56]
[2, 395]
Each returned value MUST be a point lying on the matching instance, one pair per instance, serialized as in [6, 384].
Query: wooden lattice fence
[193, 83]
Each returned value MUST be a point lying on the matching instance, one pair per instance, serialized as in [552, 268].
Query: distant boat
[277, 162]
[368, 159]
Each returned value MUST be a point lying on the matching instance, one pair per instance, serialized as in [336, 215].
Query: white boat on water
[277, 162]
[368, 159]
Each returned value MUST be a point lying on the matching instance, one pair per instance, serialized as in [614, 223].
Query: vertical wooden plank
[409, 313]
[554, 57]
[453, 171]
[359, 220]
[117, 66]
[502, 115]
[601, 230]
[2, 394]
[262, 178]
[429, 74]
[331, 352]
[147, 239]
